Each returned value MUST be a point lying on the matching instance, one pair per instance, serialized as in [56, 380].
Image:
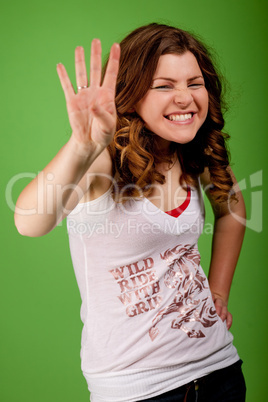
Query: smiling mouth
[179, 117]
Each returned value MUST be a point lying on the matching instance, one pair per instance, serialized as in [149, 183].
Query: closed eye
[196, 85]
[162, 87]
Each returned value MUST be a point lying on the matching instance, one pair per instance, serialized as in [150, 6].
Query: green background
[40, 302]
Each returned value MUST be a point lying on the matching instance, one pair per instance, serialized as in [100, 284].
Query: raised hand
[92, 112]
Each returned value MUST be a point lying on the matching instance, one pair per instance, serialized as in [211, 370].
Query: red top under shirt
[177, 211]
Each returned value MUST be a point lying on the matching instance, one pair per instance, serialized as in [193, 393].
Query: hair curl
[134, 150]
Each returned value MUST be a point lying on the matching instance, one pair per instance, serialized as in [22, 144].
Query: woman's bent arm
[228, 236]
[92, 115]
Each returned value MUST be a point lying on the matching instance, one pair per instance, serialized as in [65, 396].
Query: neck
[163, 146]
[165, 155]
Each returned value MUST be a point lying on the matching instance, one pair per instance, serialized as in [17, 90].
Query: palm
[91, 111]
[82, 120]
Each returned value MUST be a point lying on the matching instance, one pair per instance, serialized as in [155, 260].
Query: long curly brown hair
[134, 150]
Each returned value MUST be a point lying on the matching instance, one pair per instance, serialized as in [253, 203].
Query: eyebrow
[172, 80]
[195, 78]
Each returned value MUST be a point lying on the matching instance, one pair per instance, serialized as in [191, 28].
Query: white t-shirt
[150, 324]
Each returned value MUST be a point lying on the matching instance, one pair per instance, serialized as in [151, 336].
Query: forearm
[226, 246]
[41, 205]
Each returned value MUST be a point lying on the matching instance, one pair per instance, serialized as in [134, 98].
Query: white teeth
[179, 117]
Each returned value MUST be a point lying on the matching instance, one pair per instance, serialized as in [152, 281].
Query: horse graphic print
[192, 310]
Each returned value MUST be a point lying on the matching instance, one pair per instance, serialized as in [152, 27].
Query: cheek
[206, 110]
[204, 101]
[149, 104]
[141, 108]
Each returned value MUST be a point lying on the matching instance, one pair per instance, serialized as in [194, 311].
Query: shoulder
[206, 183]
[99, 177]
[224, 207]
[95, 182]
[101, 165]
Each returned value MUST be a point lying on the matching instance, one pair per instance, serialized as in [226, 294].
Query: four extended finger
[95, 63]
[109, 80]
[80, 67]
[65, 81]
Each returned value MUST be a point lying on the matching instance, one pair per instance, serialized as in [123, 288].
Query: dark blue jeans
[223, 385]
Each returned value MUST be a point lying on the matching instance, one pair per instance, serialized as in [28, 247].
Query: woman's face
[176, 105]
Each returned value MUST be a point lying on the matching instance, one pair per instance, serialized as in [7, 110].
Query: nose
[183, 97]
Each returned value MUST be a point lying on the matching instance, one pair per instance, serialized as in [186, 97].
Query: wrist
[219, 296]
[85, 152]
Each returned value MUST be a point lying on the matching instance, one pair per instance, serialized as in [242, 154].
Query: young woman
[144, 139]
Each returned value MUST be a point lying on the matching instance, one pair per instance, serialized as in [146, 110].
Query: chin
[181, 138]
[184, 139]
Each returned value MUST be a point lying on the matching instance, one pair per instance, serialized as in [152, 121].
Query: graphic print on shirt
[139, 286]
[189, 304]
